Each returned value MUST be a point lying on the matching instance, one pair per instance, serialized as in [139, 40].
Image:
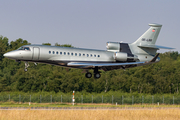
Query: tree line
[159, 78]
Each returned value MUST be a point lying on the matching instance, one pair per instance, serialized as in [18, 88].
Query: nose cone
[10, 55]
[7, 55]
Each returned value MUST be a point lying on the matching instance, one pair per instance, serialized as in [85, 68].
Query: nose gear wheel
[26, 66]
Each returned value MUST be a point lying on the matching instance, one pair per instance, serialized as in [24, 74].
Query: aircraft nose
[6, 55]
[9, 55]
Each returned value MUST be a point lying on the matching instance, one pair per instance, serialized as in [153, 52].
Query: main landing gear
[97, 74]
[88, 75]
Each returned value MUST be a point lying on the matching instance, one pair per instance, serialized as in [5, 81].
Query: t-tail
[144, 47]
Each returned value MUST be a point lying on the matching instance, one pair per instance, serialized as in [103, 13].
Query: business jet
[117, 56]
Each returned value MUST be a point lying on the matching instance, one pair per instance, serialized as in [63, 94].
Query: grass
[124, 114]
[165, 112]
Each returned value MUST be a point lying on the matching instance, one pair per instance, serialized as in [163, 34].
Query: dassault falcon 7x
[117, 56]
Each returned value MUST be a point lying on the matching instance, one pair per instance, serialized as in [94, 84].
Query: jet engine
[113, 46]
[125, 57]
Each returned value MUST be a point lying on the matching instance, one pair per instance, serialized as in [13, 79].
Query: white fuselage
[52, 54]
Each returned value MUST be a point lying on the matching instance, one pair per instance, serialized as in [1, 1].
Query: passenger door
[36, 53]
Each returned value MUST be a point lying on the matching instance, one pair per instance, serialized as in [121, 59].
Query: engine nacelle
[113, 46]
[125, 57]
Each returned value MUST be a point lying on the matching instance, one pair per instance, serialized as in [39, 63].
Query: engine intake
[113, 46]
[118, 47]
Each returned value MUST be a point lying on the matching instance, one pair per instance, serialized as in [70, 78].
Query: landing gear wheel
[26, 66]
[88, 75]
[97, 75]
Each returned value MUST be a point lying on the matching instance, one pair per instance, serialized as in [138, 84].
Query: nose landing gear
[26, 66]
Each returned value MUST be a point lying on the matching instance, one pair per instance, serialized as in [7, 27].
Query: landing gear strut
[26, 66]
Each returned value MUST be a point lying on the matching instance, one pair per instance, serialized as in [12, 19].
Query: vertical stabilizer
[150, 36]
[144, 47]
[146, 43]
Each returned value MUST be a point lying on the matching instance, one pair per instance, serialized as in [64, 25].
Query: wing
[101, 64]
[110, 66]
[104, 66]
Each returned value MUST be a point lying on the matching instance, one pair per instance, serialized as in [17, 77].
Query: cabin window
[94, 55]
[75, 54]
[71, 53]
[91, 55]
[60, 53]
[53, 52]
[49, 52]
[83, 54]
[98, 55]
[87, 55]
[79, 54]
[57, 52]
[64, 53]
[68, 53]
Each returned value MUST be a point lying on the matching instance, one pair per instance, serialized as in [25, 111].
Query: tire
[88, 75]
[97, 75]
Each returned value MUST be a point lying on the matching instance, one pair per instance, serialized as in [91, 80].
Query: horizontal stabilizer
[155, 47]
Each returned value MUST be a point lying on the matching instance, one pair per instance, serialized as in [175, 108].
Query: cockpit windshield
[24, 48]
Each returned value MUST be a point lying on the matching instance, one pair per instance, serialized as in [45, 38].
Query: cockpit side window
[21, 48]
[24, 48]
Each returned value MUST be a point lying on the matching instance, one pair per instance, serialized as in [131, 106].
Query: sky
[89, 23]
